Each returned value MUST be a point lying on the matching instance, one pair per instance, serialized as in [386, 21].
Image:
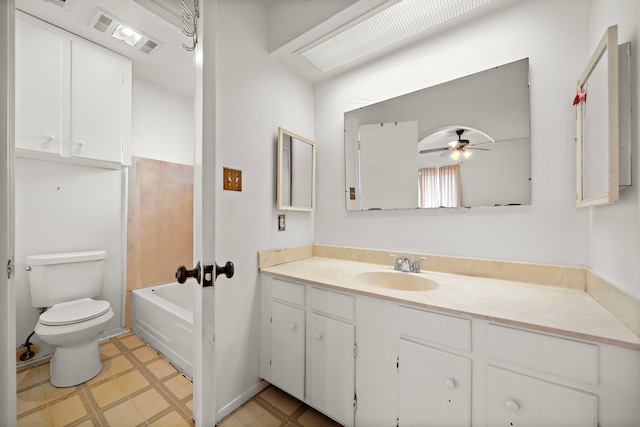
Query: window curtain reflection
[440, 187]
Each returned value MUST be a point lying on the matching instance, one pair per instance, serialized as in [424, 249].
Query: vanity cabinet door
[39, 88]
[332, 368]
[287, 348]
[434, 387]
[523, 401]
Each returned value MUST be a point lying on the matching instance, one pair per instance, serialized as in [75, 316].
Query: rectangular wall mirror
[462, 143]
[600, 124]
[296, 175]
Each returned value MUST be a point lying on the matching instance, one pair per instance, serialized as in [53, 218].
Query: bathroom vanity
[466, 351]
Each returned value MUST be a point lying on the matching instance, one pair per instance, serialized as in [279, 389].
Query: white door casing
[7, 293]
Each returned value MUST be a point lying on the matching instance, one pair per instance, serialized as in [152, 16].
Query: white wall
[615, 229]
[255, 96]
[65, 208]
[163, 124]
[555, 36]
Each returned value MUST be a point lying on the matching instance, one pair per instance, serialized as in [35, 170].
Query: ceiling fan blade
[446, 153]
[474, 148]
[432, 150]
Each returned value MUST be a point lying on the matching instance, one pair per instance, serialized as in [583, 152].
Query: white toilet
[65, 283]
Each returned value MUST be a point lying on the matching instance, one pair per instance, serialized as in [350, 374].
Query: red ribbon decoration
[580, 95]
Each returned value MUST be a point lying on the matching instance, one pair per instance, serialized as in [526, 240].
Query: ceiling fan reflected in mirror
[456, 148]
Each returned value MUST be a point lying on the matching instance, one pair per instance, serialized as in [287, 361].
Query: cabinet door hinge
[355, 350]
[9, 269]
[398, 422]
[355, 402]
[398, 363]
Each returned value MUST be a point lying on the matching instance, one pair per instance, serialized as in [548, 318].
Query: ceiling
[169, 65]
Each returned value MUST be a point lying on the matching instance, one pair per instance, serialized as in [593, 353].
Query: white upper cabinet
[73, 98]
[42, 59]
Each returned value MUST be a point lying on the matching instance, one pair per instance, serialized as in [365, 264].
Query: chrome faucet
[402, 263]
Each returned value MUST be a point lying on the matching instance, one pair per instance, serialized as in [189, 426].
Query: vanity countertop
[563, 311]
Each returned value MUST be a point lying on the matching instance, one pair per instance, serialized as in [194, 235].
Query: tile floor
[137, 387]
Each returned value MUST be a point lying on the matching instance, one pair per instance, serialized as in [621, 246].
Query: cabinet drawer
[440, 329]
[289, 292]
[333, 303]
[519, 400]
[561, 357]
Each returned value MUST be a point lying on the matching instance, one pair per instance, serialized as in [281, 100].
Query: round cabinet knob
[317, 336]
[80, 143]
[292, 326]
[511, 405]
[450, 383]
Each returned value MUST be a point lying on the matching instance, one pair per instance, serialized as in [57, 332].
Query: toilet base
[75, 365]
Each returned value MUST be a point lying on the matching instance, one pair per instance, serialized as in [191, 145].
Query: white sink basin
[396, 280]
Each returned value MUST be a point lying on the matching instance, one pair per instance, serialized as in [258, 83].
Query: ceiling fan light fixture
[455, 155]
[466, 154]
[392, 25]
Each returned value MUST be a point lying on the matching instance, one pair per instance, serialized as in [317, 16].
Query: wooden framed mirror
[597, 126]
[296, 175]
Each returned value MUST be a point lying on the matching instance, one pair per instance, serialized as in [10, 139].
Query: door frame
[7, 294]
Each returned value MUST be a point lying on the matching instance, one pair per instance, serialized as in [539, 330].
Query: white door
[204, 403]
[7, 293]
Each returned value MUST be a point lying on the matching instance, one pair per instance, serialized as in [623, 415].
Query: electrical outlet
[232, 179]
[281, 222]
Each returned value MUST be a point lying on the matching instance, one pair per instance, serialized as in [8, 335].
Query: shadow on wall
[159, 224]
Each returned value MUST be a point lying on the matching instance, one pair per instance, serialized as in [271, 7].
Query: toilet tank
[61, 277]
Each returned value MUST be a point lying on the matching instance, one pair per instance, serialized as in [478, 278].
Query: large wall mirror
[296, 176]
[463, 143]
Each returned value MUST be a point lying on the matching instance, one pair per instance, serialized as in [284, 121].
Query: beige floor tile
[145, 354]
[67, 411]
[43, 371]
[132, 382]
[40, 418]
[288, 404]
[232, 421]
[180, 386]
[124, 414]
[272, 395]
[131, 341]
[52, 392]
[107, 393]
[150, 403]
[27, 378]
[117, 365]
[161, 368]
[250, 412]
[189, 405]
[88, 423]
[172, 419]
[108, 349]
[312, 418]
[30, 399]
[267, 420]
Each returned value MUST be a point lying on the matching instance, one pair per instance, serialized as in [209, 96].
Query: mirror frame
[280, 173]
[607, 49]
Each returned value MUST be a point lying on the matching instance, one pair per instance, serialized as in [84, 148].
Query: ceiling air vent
[110, 26]
[65, 4]
[102, 23]
[148, 46]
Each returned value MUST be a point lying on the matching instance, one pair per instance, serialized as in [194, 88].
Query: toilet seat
[67, 313]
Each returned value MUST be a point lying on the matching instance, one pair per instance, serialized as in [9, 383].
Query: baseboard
[240, 400]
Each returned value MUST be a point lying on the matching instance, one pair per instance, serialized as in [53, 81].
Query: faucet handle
[397, 264]
[415, 266]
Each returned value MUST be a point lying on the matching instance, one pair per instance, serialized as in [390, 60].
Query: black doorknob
[227, 270]
[182, 274]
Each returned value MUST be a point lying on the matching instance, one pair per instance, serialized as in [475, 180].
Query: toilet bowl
[68, 283]
[73, 327]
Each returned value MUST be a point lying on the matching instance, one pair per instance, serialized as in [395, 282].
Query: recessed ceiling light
[392, 25]
[127, 35]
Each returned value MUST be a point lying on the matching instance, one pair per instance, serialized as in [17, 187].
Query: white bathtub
[162, 316]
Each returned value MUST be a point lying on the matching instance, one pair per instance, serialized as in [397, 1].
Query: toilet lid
[77, 311]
